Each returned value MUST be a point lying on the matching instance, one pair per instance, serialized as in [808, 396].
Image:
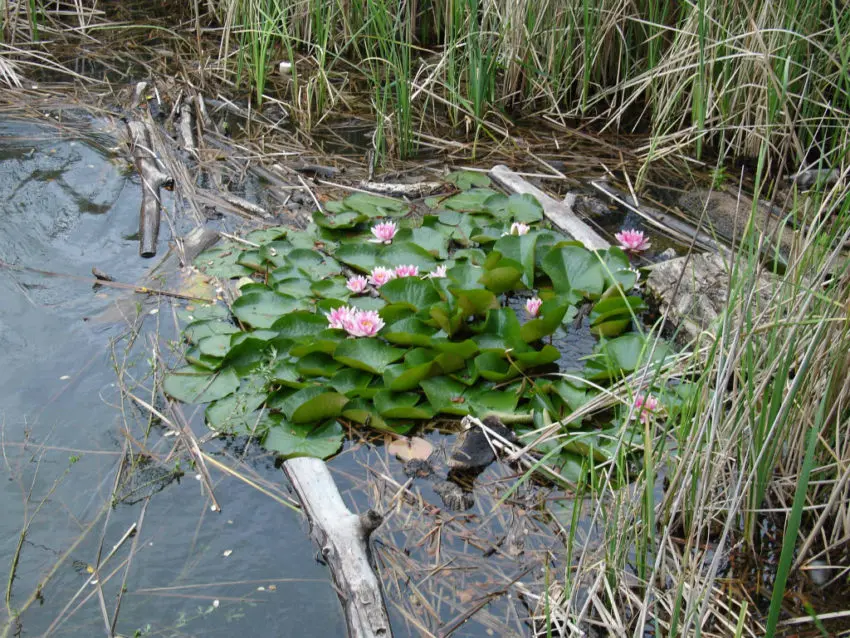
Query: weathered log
[415, 190]
[343, 539]
[152, 180]
[559, 213]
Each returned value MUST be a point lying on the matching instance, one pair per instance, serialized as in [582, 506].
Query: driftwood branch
[152, 180]
[343, 539]
[559, 213]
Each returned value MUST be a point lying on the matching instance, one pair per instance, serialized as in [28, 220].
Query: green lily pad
[195, 385]
[472, 200]
[362, 255]
[369, 354]
[297, 325]
[312, 404]
[375, 205]
[215, 346]
[465, 180]
[518, 207]
[550, 316]
[409, 332]
[292, 440]
[401, 405]
[198, 330]
[262, 309]
[221, 261]
[235, 414]
[575, 272]
[404, 253]
[411, 291]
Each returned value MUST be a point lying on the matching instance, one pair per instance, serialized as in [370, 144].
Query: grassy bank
[729, 75]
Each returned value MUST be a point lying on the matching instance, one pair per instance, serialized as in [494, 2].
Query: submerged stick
[343, 538]
[560, 214]
[152, 180]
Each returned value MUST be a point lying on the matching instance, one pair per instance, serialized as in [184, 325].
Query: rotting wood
[559, 213]
[343, 539]
[152, 180]
[415, 190]
[187, 135]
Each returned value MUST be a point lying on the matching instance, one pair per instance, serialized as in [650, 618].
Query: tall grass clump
[760, 441]
[719, 74]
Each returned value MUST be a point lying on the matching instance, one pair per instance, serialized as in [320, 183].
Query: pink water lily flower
[632, 241]
[532, 306]
[646, 407]
[366, 323]
[406, 271]
[438, 273]
[339, 318]
[380, 276]
[384, 233]
[357, 284]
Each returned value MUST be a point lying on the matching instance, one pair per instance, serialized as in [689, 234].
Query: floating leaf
[375, 205]
[249, 354]
[331, 288]
[311, 404]
[344, 220]
[408, 449]
[297, 325]
[265, 235]
[350, 382]
[221, 262]
[520, 248]
[235, 414]
[292, 440]
[418, 364]
[371, 355]
[362, 256]
[575, 272]
[465, 180]
[198, 330]
[550, 316]
[294, 287]
[195, 385]
[401, 405]
[215, 346]
[622, 355]
[317, 364]
[471, 200]
[416, 293]
[519, 207]
[406, 253]
[500, 332]
[495, 367]
[275, 252]
[262, 309]
[409, 332]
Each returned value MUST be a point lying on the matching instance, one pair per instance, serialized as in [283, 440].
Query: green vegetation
[446, 343]
[726, 74]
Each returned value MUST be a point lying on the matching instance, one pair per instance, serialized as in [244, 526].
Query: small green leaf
[291, 440]
[367, 354]
[416, 293]
[408, 332]
[297, 325]
[215, 346]
[471, 200]
[465, 180]
[361, 255]
[221, 261]
[262, 309]
[401, 405]
[317, 364]
[194, 385]
[375, 205]
[550, 316]
[294, 287]
[344, 220]
[198, 330]
[518, 207]
[350, 382]
[235, 414]
[404, 253]
[311, 404]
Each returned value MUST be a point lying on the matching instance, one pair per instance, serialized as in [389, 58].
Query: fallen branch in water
[343, 538]
[106, 283]
[152, 180]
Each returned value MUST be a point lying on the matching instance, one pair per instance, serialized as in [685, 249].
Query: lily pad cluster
[451, 342]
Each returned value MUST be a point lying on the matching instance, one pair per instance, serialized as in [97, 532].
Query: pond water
[67, 204]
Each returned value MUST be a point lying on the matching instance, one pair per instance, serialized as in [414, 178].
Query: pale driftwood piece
[559, 213]
[343, 539]
[152, 180]
[244, 205]
[418, 189]
[187, 134]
